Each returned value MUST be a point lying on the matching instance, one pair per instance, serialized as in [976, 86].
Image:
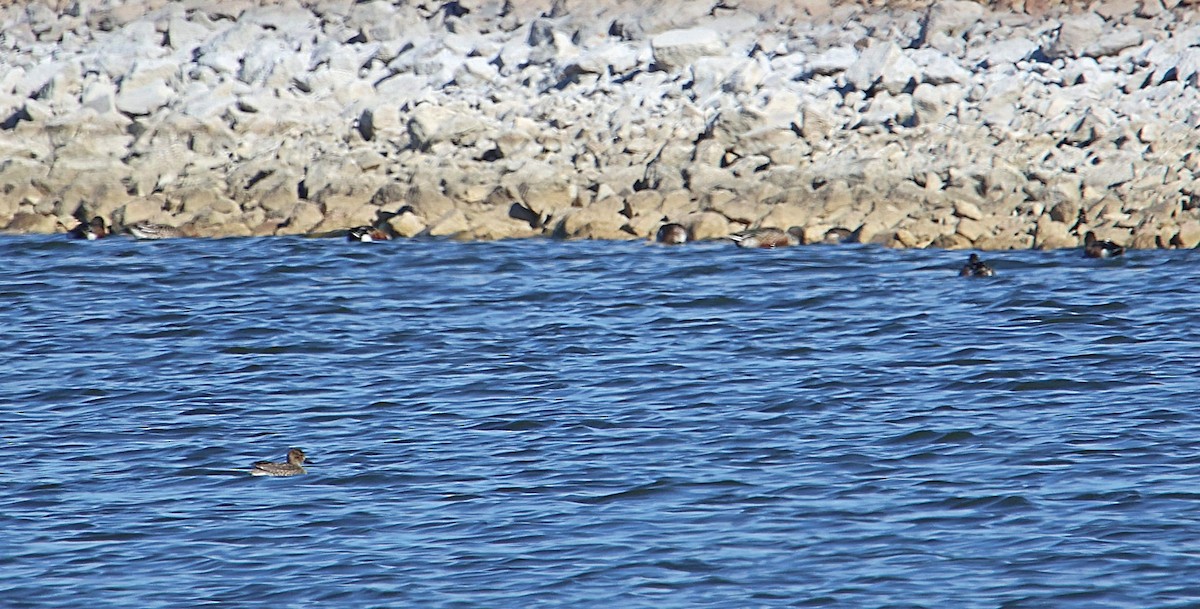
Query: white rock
[1150, 8]
[145, 72]
[222, 61]
[476, 72]
[260, 60]
[439, 67]
[967, 209]
[617, 58]
[675, 49]
[709, 74]
[938, 69]
[902, 73]
[1001, 95]
[1107, 172]
[557, 48]
[357, 93]
[834, 60]
[403, 88]
[183, 34]
[1114, 9]
[865, 72]
[930, 103]
[37, 111]
[203, 102]
[37, 77]
[223, 51]
[1186, 65]
[749, 75]
[819, 122]
[1008, 51]
[430, 124]
[782, 109]
[886, 108]
[145, 99]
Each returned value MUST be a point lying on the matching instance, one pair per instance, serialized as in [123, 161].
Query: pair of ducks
[97, 228]
[1092, 248]
[763, 238]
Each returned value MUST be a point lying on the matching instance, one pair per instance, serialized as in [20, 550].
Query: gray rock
[100, 96]
[1075, 35]
[1112, 43]
[951, 18]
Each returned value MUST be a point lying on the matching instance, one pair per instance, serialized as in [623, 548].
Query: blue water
[595, 424]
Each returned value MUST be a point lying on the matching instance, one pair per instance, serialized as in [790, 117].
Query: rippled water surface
[548, 424]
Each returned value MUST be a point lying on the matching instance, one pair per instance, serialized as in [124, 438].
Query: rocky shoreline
[953, 124]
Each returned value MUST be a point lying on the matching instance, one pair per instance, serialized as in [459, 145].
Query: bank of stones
[954, 124]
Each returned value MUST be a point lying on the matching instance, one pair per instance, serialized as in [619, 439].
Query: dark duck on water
[97, 228]
[976, 268]
[1095, 248]
[672, 234]
[367, 234]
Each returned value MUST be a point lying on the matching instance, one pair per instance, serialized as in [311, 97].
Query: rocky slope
[955, 124]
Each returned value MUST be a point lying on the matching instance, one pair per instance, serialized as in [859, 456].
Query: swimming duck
[769, 237]
[672, 234]
[838, 235]
[1094, 248]
[149, 230]
[976, 268]
[293, 467]
[96, 229]
[367, 234]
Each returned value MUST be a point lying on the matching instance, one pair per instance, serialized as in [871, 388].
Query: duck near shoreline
[148, 231]
[1096, 248]
[976, 267]
[94, 229]
[768, 238]
[367, 234]
[672, 233]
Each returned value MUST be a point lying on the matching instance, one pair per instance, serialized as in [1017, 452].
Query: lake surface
[595, 424]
